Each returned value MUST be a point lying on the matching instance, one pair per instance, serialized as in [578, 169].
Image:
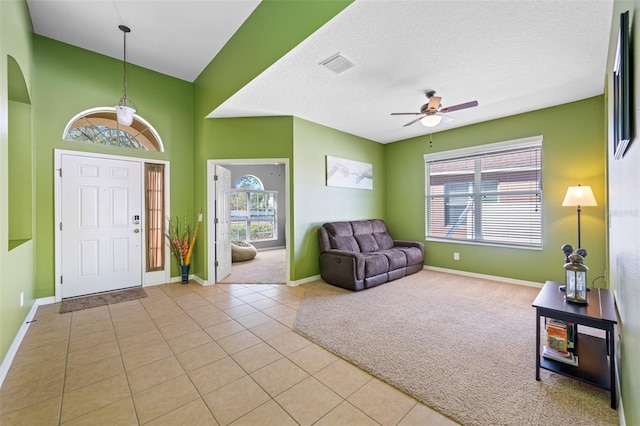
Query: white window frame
[248, 193]
[140, 130]
[473, 152]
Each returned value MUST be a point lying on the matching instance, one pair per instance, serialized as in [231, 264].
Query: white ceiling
[510, 56]
[174, 37]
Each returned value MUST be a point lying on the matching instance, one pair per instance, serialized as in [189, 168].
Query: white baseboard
[303, 281]
[272, 248]
[448, 271]
[620, 407]
[198, 280]
[46, 301]
[13, 349]
[191, 277]
[485, 277]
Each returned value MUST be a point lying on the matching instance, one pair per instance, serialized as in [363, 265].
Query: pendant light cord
[125, 30]
[124, 65]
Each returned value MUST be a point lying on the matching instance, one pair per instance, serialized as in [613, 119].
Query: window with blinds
[487, 194]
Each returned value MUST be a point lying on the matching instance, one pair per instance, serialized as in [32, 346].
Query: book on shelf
[557, 336]
[560, 334]
[562, 356]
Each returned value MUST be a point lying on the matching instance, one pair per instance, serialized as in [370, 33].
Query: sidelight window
[154, 205]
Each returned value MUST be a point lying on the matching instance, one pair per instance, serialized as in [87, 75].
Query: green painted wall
[238, 138]
[624, 224]
[17, 263]
[71, 80]
[20, 155]
[317, 203]
[260, 42]
[573, 152]
[20, 174]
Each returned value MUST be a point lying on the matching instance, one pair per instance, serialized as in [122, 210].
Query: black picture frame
[622, 123]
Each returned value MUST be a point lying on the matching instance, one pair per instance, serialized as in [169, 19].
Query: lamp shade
[579, 196]
[430, 120]
[125, 115]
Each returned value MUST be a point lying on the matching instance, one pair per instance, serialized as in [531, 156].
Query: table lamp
[579, 196]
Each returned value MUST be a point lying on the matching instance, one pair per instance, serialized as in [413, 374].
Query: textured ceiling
[175, 37]
[510, 56]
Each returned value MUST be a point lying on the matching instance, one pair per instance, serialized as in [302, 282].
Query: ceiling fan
[431, 112]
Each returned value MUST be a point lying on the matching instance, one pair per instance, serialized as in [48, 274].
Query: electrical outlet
[21, 299]
[456, 256]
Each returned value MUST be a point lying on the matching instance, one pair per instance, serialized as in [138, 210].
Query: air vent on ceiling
[337, 63]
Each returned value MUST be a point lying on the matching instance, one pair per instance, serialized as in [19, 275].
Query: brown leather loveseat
[361, 254]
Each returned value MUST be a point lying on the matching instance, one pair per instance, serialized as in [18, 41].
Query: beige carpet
[268, 267]
[86, 302]
[463, 346]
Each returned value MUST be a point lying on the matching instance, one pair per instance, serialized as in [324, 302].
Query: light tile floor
[193, 355]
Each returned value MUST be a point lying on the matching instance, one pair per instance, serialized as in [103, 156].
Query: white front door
[223, 222]
[101, 231]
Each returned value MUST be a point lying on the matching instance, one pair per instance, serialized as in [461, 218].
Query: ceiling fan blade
[460, 106]
[445, 119]
[406, 113]
[434, 103]
[413, 121]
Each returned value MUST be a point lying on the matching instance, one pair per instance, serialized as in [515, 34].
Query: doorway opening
[261, 220]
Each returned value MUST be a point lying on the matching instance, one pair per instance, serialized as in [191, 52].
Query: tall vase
[184, 270]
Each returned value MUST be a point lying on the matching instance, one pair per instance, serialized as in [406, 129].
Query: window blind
[492, 197]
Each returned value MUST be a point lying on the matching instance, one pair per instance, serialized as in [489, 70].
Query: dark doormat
[95, 300]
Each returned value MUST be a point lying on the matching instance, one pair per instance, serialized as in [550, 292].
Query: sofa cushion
[378, 226]
[361, 227]
[384, 240]
[375, 264]
[339, 229]
[344, 243]
[367, 243]
[397, 258]
[414, 255]
[381, 234]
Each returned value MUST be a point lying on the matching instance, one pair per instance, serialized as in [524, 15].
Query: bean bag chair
[242, 251]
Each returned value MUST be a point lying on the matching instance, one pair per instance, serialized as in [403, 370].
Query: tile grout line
[124, 368]
[64, 371]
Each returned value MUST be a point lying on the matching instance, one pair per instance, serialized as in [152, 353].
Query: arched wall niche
[20, 157]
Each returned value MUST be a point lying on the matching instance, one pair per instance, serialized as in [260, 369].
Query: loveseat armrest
[404, 243]
[342, 268]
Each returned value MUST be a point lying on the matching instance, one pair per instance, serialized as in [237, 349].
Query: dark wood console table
[596, 356]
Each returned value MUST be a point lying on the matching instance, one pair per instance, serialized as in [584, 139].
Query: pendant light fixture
[126, 107]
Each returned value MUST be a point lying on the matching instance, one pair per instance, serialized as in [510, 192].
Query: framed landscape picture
[622, 120]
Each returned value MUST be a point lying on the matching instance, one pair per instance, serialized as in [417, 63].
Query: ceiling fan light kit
[431, 112]
[431, 120]
[126, 108]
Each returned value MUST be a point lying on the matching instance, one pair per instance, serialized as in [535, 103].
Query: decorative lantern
[576, 279]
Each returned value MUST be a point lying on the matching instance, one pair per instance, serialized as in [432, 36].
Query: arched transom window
[249, 182]
[100, 126]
